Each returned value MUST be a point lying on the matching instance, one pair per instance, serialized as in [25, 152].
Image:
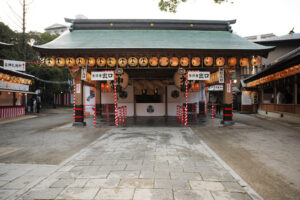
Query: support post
[295, 90]
[186, 101]
[98, 99]
[116, 106]
[78, 104]
[227, 98]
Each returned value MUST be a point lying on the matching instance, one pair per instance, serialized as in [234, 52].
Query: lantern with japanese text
[255, 61]
[174, 61]
[133, 61]
[70, 62]
[153, 61]
[91, 61]
[208, 61]
[101, 62]
[122, 62]
[232, 61]
[111, 62]
[196, 61]
[184, 61]
[220, 61]
[50, 62]
[80, 61]
[244, 62]
[164, 61]
[60, 62]
[143, 61]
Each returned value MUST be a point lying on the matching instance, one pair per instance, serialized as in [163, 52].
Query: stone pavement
[134, 163]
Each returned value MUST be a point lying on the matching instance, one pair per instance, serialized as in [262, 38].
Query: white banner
[13, 86]
[78, 88]
[198, 76]
[14, 65]
[215, 88]
[83, 73]
[221, 75]
[103, 76]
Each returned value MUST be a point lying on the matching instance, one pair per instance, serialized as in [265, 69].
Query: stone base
[227, 123]
[79, 124]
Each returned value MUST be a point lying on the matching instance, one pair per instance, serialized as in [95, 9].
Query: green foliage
[171, 5]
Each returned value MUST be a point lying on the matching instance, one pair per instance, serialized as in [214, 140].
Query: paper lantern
[143, 61]
[91, 61]
[232, 61]
[164, 61]
[244, 62]
[80, 61]
[208, 61]
[197, 86]
[70, 62]
[1, 75]
[60, 62]
[133, 61]
[196, 61]
[153, 61]
[101, 62]
[174, 61]
[184, 61]
[6, 77]
[220, 61]
[122, 62]
[255, 61]
[50, 62]
[111, 62]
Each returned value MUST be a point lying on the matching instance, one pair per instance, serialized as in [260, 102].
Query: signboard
[103, 76]
[14, 65]
[78, 88]
[228, 86]
[215, 88]
[13, 86]
[83, 73]
[198, 76]
[221, 74]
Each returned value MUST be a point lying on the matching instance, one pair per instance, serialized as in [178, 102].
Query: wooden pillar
[98, 98]
[275, 92]
[79, 112]
[227, 97]
[295, 90]
[166, 101]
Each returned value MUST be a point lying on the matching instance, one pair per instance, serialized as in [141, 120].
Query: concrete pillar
[79, 112]
[98, 98]
[227, 97]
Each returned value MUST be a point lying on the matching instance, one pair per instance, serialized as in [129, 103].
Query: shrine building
[150, 67]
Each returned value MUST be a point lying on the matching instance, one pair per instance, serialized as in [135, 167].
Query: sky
[254, 17]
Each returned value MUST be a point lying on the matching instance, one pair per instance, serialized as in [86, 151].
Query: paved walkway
[133, 163]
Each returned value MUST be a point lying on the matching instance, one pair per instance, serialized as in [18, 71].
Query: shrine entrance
[143, 69]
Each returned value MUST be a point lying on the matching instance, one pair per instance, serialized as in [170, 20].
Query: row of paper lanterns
[278, 75]
[14, 79]
[152, 61]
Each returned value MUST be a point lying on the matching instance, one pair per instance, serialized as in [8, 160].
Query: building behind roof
[56, 29]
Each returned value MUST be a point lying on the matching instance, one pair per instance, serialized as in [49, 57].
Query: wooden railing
[289, 108]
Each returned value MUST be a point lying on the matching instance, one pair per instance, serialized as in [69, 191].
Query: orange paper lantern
[208, 61]
[232, 61]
